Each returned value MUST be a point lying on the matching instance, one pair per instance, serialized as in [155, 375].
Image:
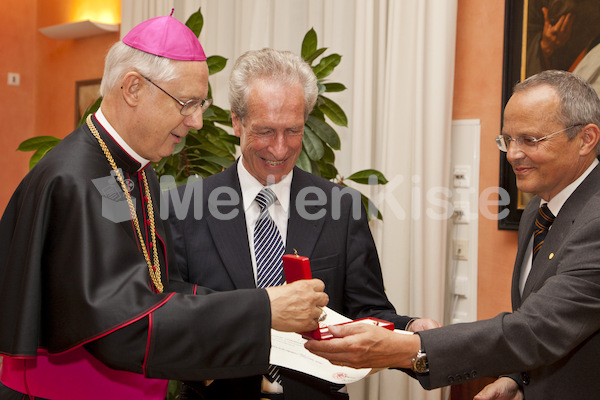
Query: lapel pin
[551, 256]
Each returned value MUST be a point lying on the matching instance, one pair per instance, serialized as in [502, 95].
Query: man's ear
[130, 88]
[236, 124]
[591, 135]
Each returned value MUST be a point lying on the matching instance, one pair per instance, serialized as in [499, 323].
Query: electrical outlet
[460, 249]
[462, 176]
[461, 212]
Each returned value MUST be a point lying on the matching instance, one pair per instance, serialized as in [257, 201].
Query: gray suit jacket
[551, 339]
[215, 252]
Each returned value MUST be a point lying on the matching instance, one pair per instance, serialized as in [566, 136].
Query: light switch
[14, 79]
[460, 286]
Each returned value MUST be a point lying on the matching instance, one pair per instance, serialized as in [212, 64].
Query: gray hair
[122, 59]
[282, 66]
[579, 102]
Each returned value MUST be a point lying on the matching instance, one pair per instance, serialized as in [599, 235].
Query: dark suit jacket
[342, 254]
[551, 339]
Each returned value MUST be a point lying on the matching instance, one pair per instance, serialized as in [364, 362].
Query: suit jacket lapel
[543, 267]
[302, 233]
[230, 235]
[525, 232]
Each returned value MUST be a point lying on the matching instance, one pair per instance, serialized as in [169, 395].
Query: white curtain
[398, 65]
[412, 123]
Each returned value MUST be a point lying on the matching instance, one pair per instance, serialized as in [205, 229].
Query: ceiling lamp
[78, 30]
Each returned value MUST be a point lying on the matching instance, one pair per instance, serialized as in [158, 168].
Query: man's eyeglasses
[190, 106]
[526, 142]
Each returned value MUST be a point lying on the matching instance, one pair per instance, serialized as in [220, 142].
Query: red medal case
[297, 267]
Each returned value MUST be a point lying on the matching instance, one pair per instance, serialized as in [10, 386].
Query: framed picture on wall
[541, 35]
[86, 93]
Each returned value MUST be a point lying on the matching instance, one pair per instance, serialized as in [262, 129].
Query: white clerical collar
[556, 203]
[251, 186]
[115, 135]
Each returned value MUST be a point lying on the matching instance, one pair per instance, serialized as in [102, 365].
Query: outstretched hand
[366, 346]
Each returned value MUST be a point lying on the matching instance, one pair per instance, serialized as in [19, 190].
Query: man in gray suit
[550, 343]
[271, 95]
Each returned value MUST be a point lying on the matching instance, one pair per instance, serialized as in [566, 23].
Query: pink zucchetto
[166, 37]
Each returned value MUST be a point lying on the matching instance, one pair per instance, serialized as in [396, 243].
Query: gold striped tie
[542, 223]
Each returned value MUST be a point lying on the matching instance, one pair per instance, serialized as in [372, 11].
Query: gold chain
[153, 269]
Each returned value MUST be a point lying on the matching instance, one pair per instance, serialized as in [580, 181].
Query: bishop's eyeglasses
[526, 142]
[190, 106]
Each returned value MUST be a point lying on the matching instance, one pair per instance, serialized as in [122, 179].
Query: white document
[287, 350]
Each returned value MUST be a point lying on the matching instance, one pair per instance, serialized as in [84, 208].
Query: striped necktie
[268, 250]
[542, 223]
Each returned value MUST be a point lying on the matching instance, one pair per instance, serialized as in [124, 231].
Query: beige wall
[44, 104]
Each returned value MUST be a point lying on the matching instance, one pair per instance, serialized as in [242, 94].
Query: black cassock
[70, 276]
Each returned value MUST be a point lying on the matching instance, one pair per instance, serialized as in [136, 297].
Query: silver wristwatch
[420, 364]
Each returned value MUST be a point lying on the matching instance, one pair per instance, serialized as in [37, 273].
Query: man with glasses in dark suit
[548, 347]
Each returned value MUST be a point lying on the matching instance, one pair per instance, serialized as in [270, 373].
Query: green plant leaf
[179, 146]
[328, 171]
[215, 134]
[334, 87]
[327, 65]
[324, 131]
[37, 142]
[309, 43]
[312, 57]
[316, 113]
[222, 161]
[161, 164]
[312, 144]
[221, 141]
[195, 22]
[207, 129]
[217, 114]
[333, 111]
[39, 153]
[363, 177]
[303, 162]
[90, 110]
[207, 169]
[208, 147]
[215, 64]
[321, 88]
[329, 155]
[232, 139]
